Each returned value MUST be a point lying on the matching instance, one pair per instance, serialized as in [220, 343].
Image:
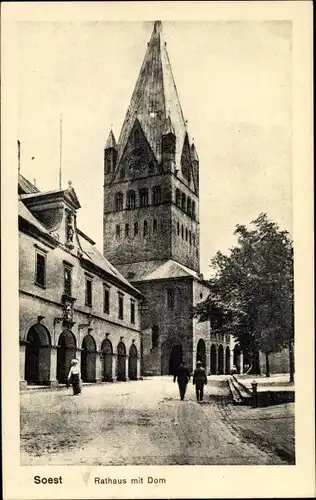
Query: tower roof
[155, 99]
[111, 142]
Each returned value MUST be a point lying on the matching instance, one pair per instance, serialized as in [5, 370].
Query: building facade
[73, 302]
[151, 218]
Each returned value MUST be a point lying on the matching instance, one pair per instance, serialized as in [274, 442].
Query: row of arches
[38, 358]
[132, 201]
[185, 203]
[134, 230]
[172, 356]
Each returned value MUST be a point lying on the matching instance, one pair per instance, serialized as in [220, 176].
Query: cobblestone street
[135, 423]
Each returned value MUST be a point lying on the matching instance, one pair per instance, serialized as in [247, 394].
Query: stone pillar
[224, 360]
[98, 367]
[23, 383]
[53, 367]
[114, 361]
[231, 358]
[208, 360]
[241, 362]
[216, 363]
[78, 356]
[193, 360]
[126, 367]
[138, 367]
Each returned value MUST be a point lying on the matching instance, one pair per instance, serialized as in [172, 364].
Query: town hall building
[151, 221]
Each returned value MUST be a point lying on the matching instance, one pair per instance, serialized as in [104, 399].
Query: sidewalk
[269, 427]
[276, 382]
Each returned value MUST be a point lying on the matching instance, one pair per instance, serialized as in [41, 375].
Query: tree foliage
[251, 293]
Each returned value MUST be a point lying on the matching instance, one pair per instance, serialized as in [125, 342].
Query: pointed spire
[111, 142]
[154, 98]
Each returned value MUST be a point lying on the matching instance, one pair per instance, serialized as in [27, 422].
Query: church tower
[151, 204]
[151, 216]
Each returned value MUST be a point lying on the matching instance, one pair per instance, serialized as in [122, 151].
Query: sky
[234, 81]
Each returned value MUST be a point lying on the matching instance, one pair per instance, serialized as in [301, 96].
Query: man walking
[199, 380]
[183, 376]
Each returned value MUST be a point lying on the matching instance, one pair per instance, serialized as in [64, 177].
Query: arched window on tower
[143, 197]
[189, 206]
[178, 228]
[186, 234]
[155, 336]
[131, 199]
[190, 238]
[178, 196]
[135, 228]
[156, 195]
[183, 201]
[119, 201]
[155, 226]
[182, 234]
[193, 209]
[145, 229]
[118, 230]
[126, 230]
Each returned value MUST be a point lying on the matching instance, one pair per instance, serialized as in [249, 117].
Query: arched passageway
[201, 352]
[175, 358]
[65, 353]
[88, 359]
[107, 360]
[37, 355]
[227, 360]
[213, 368]
[132, 363]
[220, 368]
[237, 351]
[121, 362]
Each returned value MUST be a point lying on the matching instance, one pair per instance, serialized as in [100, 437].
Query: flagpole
[60, 147]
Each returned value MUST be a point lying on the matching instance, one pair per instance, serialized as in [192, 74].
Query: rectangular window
[132, 312]
[88, 292]
[106, 299]
[120, 306]
[40, 269]
[118, 230]
[67, 280]
[170, 299]
[126, 230]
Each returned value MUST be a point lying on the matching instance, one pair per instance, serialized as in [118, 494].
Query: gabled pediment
[138, 159]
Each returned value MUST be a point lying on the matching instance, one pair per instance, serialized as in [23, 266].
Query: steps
[241, 395]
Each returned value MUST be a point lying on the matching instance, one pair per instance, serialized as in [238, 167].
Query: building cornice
[85, 313]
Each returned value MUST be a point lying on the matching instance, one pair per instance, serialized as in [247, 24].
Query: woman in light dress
[74, 376]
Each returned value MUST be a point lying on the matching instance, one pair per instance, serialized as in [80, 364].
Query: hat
[74, 361]
[198, 363]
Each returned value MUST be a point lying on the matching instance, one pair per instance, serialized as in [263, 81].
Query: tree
[251, 294]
